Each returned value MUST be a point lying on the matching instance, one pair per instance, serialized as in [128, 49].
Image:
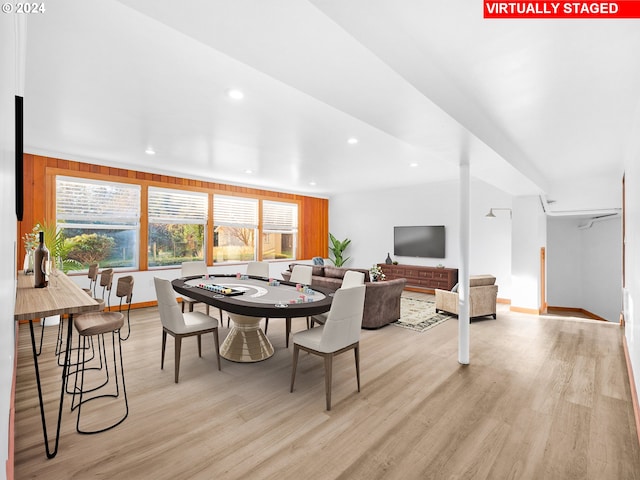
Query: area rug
[419, 315]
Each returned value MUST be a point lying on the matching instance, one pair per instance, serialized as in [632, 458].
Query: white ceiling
[538, 106]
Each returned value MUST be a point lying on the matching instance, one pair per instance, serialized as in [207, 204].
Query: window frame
[52, 168]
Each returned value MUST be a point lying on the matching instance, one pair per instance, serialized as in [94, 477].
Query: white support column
[463, 271]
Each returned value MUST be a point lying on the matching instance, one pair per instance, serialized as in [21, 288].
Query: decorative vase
[28, 262]
[388, 261]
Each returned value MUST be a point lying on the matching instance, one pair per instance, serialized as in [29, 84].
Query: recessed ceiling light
[235, 94]
[312, 183]
[352, 141]
[150, 151]
[413, 164]
[248, 171]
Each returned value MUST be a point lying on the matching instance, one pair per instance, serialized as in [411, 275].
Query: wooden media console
[421, 278]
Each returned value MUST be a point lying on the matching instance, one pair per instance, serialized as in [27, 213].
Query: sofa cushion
[327, 282]
[481, 280]
[338, 272]
[334, 272]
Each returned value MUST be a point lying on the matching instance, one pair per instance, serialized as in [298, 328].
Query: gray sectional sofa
[381, 301]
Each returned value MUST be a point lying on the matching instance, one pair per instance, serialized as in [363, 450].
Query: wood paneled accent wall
[39, 200]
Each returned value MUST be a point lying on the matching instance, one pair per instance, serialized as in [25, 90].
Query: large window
[235, 223]
[177, 221]
[279, 230]
[100, 221]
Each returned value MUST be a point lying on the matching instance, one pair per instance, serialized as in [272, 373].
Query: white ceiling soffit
[552, 98]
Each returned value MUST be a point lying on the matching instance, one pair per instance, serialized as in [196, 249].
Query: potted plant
[376, 274]
[337, 248]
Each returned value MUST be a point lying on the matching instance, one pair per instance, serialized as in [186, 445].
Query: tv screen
[420, 241]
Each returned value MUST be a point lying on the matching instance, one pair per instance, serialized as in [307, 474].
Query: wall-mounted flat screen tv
[419, 241]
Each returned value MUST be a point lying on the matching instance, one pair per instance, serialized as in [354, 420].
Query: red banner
[562, 9]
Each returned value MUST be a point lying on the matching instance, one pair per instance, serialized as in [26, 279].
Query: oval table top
[254, 296]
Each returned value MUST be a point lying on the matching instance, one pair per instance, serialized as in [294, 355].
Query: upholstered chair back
[352, 279]
[344, 321]
[168, 307]
[190, 269]
[258, 269]
[301, 274]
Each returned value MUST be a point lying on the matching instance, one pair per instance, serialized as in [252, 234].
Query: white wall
[8, 227]
[529, 234]
[373, 214]
[602, 268]
[564, 263]
[584, 266]
[632, 252]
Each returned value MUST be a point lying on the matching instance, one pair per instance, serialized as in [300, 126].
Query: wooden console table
[422, 279]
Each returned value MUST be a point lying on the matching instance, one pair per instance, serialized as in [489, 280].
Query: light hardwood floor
[544, 398]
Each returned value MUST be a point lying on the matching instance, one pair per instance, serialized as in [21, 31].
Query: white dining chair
[254, 269]
[351, 279]
[257, 269]
[180, 325]
[301, 274]
[340, 333]
[190, 269]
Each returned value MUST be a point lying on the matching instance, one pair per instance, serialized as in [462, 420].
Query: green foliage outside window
[172, 244]
[90, 248]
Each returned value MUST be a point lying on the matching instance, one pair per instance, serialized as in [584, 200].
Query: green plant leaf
[337, 248]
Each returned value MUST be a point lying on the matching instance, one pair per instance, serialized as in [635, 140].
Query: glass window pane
[280, 230]
[177, 220]
[235, 223]
[109, 247]
[172, 244]
[233, 244]
[99, 221]
[278, 246]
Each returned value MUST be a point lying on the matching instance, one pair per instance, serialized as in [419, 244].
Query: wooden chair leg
[287, 330]
[217, 345]
[356, 352]
[328, 368]
[296, 351]
[177, 359]
[200, 345]
[164, 345]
